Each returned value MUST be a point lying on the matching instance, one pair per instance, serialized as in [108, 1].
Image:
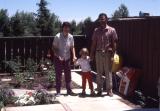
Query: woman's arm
[73, 53]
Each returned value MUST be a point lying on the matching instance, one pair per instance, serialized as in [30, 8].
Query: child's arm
[88, 58]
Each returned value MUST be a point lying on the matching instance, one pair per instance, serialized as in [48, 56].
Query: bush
[51, 74]
[31, 67]
[40, 96]
[7, 96]
[15, 65]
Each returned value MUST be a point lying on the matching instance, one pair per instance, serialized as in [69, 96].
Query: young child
[84, 63]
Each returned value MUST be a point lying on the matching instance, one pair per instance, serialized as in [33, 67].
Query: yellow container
[117, 63]
[116, 58]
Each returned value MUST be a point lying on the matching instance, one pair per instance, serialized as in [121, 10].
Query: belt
[104, 51]
[101, 51]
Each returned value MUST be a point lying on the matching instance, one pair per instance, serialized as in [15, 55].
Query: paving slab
[115, 103]
[51, 107]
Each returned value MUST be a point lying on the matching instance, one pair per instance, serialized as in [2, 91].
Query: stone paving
[77, 103]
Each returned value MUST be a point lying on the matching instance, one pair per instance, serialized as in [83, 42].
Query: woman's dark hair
[66, 24]
[103, 14]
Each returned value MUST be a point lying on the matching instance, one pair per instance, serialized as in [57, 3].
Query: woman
[63, 45]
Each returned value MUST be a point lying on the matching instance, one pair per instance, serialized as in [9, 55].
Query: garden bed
[29, 87]
[34, 82]
[32, 75]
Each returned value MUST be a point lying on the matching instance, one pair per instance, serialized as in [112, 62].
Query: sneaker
[71, 93]
[83, 93]
[110, 94]
[92, 93]
[99, 93]
[57, 94]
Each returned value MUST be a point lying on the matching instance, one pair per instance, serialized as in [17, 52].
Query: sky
[68, 10]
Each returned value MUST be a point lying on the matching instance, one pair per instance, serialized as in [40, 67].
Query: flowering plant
[40, 96]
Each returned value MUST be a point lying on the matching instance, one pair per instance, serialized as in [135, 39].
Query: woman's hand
[74, 59]
[61, 59]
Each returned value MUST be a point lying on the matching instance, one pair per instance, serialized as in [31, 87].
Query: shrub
[40, 96]
[31, 67]
[51, 74]
[7, 96]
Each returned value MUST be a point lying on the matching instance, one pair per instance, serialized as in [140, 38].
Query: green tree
[83, 27]
[121, 12]
[79, 28]
[7, 30]
[3, 18]
[29, 23]
[54, 25]
[73, 27]
[57, 26]
[87, 25]
[17, 26]
[44, 19]
[4, 23]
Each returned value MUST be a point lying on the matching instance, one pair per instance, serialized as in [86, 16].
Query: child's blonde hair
[84, 51]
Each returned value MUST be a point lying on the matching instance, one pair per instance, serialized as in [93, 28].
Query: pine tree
[17, 25]
[5, 28]
[73, 27]
[121, 12]
[44, 19]
[3, 18]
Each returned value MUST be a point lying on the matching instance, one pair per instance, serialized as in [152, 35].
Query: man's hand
[91, 57]
[49, 55]
[110, 50]
[112, 59]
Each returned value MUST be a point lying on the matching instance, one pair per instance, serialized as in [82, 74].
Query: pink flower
[30, 93]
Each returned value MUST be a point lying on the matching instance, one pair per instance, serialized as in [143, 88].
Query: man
[63, 45]
[103, 47]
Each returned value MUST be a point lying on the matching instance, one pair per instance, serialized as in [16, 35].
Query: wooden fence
[139, 45]
[30, 47]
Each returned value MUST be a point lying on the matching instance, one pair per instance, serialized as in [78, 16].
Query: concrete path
[105, 103]
[55, 107]
[76, 103]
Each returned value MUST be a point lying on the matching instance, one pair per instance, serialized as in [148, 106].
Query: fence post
[159, 91]
[5, 53]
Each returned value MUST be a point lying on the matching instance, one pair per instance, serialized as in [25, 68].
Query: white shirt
[63, 44]
[84, 64]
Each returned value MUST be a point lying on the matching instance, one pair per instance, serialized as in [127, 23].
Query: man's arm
[115, 40]
[73, 50]
[93, 47]
[55, 47]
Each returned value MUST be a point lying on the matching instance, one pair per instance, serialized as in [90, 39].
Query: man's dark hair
[103, 14]
[66, 24]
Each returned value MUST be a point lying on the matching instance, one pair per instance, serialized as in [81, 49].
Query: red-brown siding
[139, 44]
